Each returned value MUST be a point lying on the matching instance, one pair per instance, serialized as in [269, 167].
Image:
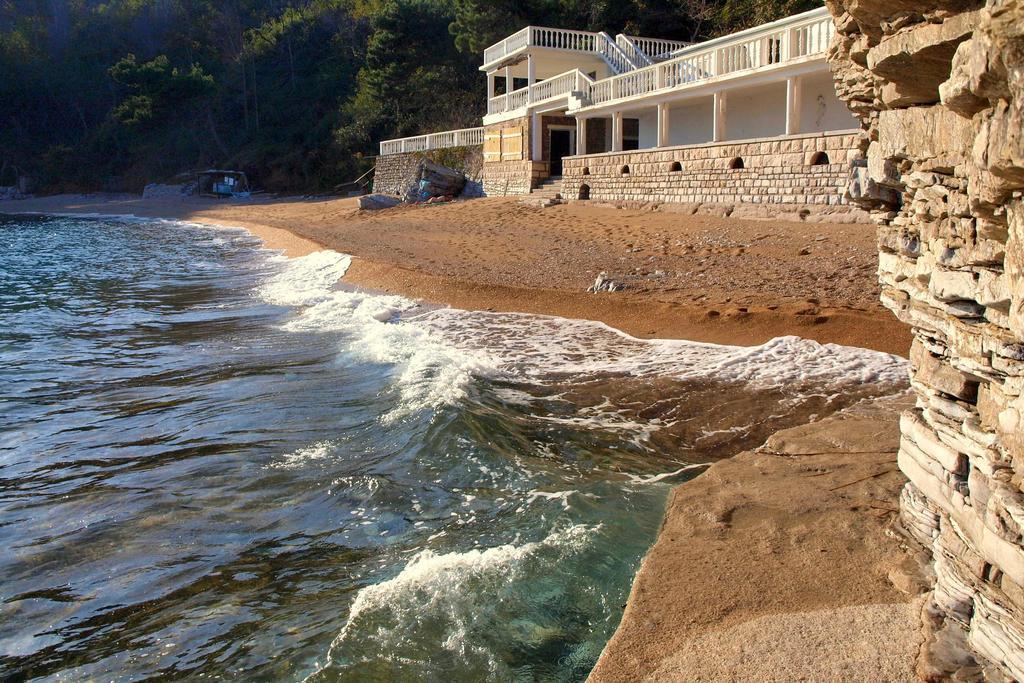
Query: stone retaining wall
[938, 88]
[396, 172]
[776, 171]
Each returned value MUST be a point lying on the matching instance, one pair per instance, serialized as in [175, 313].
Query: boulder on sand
[434, 180]
[373, 202]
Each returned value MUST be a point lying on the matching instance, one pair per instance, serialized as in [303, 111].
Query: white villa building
[750, 117]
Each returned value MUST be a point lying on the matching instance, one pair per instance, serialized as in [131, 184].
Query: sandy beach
[702, 278]
[766, 562]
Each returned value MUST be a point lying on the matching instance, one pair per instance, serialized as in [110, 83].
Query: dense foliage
[111, 94]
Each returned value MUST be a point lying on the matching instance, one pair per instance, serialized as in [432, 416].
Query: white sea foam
[537, 346]
[561, 496]
[385, 616]
[431, 373]
[655, 478]
[438, 353]
[302, 457]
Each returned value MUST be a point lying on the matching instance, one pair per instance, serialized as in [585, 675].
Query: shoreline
[680, 285]
[756, 519]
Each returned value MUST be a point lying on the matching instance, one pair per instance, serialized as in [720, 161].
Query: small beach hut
[214, 183]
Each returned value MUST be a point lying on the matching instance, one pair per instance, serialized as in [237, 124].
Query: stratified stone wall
[777, 172]
[939, 88]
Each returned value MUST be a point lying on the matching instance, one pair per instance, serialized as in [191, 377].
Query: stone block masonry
[937, 86]
[784, 172]
[394, 172]
[509, 178]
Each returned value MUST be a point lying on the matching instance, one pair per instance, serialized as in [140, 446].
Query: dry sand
[703, 278]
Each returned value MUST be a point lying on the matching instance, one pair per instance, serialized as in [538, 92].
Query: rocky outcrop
[939, 89]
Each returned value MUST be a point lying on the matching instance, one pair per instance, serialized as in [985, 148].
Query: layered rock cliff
[939, 89]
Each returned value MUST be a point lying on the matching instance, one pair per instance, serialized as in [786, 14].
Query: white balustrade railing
[773, 44]
[553, 87]
[654, 48]
[811, 38]
[561, 39]
[634, 83]
[540, 36]
[496, 105]
[464, 137]
[556, 86]
[688, 69]
[518, 98]
[516, 41]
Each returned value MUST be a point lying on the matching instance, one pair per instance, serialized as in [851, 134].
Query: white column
[536, 139]
[508, 80]
[490, 85]
[529, 78]
[718, 108]
[662, 140]
[581, 136]
[793, 105]
[617, 131]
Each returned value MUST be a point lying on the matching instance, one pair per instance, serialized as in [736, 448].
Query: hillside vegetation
[112, 94]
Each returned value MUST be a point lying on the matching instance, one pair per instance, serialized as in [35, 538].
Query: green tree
[157, 90]
[413, 79]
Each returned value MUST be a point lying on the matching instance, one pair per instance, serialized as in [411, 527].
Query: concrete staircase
[548, 192]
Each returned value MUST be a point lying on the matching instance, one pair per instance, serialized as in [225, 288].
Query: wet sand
[703, 278]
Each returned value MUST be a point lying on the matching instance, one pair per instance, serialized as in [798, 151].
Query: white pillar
[529, 78]
[536, 139]
[793, 105]
[508, 80]
[662, 139]
[718, 108]
[617, 131]
[581, 136]
[490, 85]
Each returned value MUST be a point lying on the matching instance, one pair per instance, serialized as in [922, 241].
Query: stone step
[550, 188]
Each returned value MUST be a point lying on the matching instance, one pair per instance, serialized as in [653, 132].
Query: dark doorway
[561, 146]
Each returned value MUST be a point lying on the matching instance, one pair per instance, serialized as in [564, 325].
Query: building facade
[752, 117]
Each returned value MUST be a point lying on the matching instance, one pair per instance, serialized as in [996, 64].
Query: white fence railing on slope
[654, 48]
[632, 50]
[613, 55]
[464, 137]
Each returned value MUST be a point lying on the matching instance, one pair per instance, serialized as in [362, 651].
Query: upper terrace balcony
[635, 73]
[622, 54]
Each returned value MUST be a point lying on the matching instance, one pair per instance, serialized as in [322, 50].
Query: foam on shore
[437, 353]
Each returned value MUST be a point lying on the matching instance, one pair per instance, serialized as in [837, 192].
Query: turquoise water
[215, 462]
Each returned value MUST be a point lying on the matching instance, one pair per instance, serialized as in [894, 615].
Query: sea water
[216, 462]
